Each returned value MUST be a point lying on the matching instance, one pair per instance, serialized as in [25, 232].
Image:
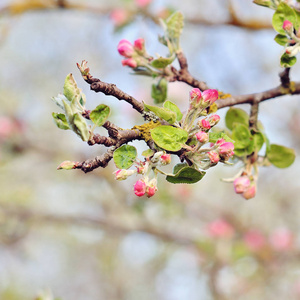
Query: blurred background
[86, 236]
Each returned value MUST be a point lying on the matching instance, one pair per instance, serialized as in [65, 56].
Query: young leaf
[169, 138]
[175, 25]
[100, 114]
[170, 105]
[124, 156]
[287, 61]
[159, 91]
[245, 151]
[162, 62]
[214, 136]
[283, 12]
[241, 135]
[81, 127]
[236, 115]
[281, 39]
[258, 140]
[185, 174]
[281, 156]
[163, 113]
[71, 89]
[60, 121]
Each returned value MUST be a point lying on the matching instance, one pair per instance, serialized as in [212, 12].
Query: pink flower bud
[140, 188]
[210, 96]
[281, 239]
[250, 192]
[213, 156]
[7, 127]
[287, 25]
[195, 97]
[125, 48]
[130, 62]
[254, 240]
[241, 184]
[123, 174]
[119, 16]
[220, 141]
[202, 137]
[151, 190]
[142, 3]
[220, 228]
[165, 159]
[214, 120]
[226, 150]
[204, 124]
[139, 45]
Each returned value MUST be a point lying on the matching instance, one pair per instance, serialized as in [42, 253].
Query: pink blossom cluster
[203, 100]
[222, 151]
[133, 53]
[245, 186]
[281, 239]
[148, 184]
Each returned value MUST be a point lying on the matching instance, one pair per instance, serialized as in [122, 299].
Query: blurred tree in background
[86, 236]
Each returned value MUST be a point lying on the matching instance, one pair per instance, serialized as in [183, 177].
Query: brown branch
[285, 77]
[110, 89]
[258, 97]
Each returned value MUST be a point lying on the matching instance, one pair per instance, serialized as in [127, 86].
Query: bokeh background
[86, 236]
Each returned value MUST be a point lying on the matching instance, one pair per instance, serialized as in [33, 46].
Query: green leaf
[124, 156]
[175, 25]
[281, 156]
[60, 121]
[148, 153]
[163, 113]
[245, 151]
[287, 61]
[236, 115]
[81, 127]
[241, 135]
[214, 136]
[172, 106]
[185, 174]
[283, 12]
[71, 89]
[281, 39]
[169, 138]
[162, 62]
[159, 91]
[69, 115]
[258, 140]
[100, 114]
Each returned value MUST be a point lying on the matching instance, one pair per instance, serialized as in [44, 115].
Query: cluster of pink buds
[148, 169]
[202, 100]
[244, 186]
[294, 47]
[133, 53]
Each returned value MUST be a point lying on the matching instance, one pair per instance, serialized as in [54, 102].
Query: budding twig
[110, 89]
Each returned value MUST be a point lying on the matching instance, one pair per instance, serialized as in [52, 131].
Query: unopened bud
[226, 150]
[140, 188]
[123, 174]
[130, 62]
[125, 48]
[204, 125]
[165, 159]
[287, 26]
[151, 188]
[214, 157]
[210, 96]
[202, 137]
[214, 120]
[241, 184]
[195, 97]
[139, 45]
[83, 68]
[66, 165]
[250, 192]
